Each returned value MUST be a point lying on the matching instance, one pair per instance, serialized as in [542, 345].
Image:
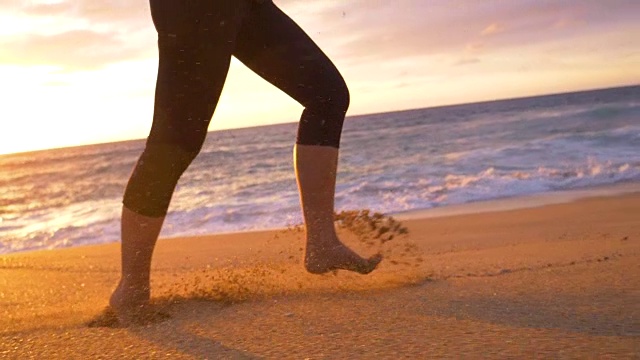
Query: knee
[178, 127]
[322, 121]
[340, 98]
[333, 100]
[345, 96]
[154, 178]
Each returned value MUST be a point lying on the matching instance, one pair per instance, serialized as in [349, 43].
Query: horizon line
[19, 153]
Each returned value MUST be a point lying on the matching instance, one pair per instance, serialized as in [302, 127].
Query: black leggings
[196, 39]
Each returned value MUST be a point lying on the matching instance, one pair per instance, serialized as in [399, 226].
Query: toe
[370, 264]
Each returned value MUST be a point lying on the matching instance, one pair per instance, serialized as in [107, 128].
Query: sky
[76, 72]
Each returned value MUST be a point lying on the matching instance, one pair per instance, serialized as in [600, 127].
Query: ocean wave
[489, 183]
[392, 162]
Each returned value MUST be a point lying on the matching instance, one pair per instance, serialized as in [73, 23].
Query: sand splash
[253, 279]
[250, 279]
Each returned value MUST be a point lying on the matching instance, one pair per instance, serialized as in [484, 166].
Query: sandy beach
[553, 281]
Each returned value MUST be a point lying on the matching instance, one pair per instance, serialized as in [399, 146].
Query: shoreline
[559, 280]
[523, 201]
[476, 207]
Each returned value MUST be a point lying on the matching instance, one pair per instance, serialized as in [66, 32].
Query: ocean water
[391, 162]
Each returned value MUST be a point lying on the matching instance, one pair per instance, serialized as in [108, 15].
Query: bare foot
[130, 304]
[321, 260]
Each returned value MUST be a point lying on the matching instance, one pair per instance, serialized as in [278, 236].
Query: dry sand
[557, 281]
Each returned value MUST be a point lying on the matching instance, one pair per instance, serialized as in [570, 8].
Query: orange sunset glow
[81, 72]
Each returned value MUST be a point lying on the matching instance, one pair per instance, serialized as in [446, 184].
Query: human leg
[195, 42]
[273, 46]
[316, 168]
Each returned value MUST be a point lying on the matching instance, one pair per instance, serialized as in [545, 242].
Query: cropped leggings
[196, 39]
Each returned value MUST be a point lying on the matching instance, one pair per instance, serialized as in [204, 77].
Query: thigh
[195, 40]
[276, 48]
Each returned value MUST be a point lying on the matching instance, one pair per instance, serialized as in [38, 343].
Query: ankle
[323, 238]
[138, 283]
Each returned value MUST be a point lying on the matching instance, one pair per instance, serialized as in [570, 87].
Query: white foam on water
[445, 158]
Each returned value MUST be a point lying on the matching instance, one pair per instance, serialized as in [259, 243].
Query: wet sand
[555, 281]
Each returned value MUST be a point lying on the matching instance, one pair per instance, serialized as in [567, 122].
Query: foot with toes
[129, 306]
[321, 259]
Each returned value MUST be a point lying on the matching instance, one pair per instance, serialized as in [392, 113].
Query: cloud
[90, 34]
[71, 50]
[492, 29]
[362, 31]
[77, 34]
[47, 9]
[466, 61]
[93, 11]
[568, 22]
